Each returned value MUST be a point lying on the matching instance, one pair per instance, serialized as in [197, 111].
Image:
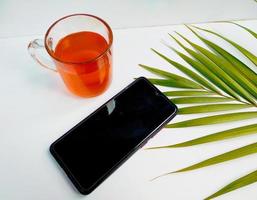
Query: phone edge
[79, 187]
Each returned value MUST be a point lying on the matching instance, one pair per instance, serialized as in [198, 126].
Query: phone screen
[90, 151]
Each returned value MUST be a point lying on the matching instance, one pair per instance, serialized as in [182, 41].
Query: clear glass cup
[91, 74]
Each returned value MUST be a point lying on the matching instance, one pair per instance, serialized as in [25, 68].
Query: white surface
[28, 17]
[36, 109]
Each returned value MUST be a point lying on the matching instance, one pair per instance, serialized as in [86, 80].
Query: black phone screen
[90, 151]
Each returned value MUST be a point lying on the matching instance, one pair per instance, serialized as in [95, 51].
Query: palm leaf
[188, 72]
[172, 76]
[216, 119]
[190, 100]
[222, 77]
[188, 93]
[241, 182]
[244, 51]
[171, 83]
[211, 108]
[223, 135]
[232, 77]
[245, 28]
[236, 64]
[208, 74]
[231, 155]
[227, 67]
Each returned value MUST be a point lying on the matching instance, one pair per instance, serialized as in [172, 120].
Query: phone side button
[144, 143]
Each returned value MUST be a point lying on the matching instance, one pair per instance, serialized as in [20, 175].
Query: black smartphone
[99, 144]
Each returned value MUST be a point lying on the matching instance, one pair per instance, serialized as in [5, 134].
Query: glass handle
[34, 47]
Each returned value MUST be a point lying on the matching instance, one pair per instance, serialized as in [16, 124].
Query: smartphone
[99, 144]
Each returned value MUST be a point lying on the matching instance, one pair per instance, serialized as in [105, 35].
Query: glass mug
[80, 46]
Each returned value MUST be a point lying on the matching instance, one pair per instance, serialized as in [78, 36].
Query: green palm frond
[205, 71]
[223, 135]
[241, 182]
[189, 73]
[231, 155]
[254, 34]
[219, 82]
[190, 100]
[226, 70]
[188, 93]
[237, 66]
[170, 76]
[215, 119]
[212, 108]
[177, 83]
[244, 51]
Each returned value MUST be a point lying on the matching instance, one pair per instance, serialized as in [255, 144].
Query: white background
[27, 17]
[36, 108]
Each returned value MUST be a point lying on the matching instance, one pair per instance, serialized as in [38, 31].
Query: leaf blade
[190, 100]
[238, 183]
[245, 28]
[215, 119]
[235, 80]
[188, 93]
[188, 72]
[244, 51]
[238, 65]
[170, 83]
[202, 69]
[211, 108]
[169, 75]
[231, 155]
[222, 135]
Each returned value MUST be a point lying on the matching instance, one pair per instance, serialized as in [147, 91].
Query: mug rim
[81, 62]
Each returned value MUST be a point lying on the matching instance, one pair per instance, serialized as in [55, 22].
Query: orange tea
[83, 59]
[81, 47]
